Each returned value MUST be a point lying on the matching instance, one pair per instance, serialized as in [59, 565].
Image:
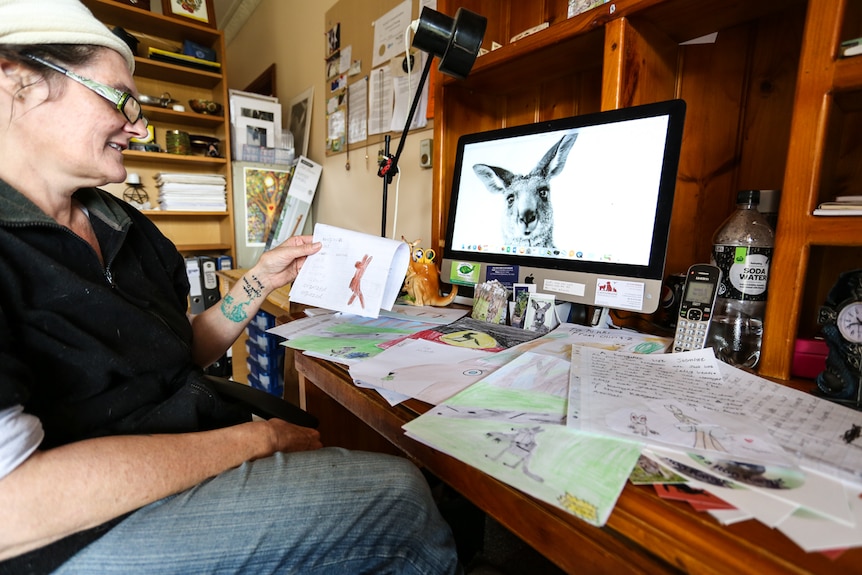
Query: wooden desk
[645, 534]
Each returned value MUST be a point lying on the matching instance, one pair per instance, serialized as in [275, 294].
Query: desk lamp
[456, 41]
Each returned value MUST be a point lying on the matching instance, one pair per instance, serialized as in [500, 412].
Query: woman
[115, 456]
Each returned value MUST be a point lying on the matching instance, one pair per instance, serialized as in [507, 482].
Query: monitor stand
[601, 319]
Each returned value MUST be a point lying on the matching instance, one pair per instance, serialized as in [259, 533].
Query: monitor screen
[579, 206]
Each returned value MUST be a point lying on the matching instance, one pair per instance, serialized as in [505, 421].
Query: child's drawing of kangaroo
[529, 216]
[520, 444]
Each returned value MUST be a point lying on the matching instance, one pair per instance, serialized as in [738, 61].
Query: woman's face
[81, 133]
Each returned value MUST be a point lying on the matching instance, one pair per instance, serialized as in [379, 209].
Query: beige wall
[291, 34]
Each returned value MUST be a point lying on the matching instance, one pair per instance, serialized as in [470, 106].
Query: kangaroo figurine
[529, 216]
[422, 281]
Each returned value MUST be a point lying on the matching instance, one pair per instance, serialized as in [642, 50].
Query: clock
[850, 321]
[840, 319]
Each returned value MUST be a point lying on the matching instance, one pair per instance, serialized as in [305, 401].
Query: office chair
[261, 403]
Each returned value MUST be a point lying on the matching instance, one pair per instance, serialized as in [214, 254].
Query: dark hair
[66, 55]
[63, 54]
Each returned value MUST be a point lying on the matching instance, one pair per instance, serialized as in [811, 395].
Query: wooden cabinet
[768, 107]
[191, 231]
[824, 160]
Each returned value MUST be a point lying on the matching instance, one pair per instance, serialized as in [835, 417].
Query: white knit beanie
[57, 22]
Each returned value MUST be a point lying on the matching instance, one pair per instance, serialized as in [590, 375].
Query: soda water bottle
[742, 249]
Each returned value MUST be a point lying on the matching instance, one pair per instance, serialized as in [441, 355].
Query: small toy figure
[422, 281]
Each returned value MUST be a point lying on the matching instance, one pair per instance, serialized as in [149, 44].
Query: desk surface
[645, 534]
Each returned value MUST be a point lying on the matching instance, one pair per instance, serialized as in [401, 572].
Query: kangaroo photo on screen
[528, 218]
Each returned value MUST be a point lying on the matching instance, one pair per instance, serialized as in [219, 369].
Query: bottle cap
[748, 197]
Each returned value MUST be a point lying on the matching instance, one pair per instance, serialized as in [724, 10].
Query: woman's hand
[280, 265]
[287, 437]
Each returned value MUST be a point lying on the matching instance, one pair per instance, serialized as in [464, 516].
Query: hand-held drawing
[529, 216]
[355, 283]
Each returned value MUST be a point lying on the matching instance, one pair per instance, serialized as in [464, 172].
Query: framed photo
[252, 132]
[255, 121]
[199, 11]
[299, 120]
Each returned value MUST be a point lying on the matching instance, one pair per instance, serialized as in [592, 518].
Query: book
[850, 48]
[841, 206]
[857, 211]
[182, 60]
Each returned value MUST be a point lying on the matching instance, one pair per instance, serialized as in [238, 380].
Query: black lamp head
[456, 41]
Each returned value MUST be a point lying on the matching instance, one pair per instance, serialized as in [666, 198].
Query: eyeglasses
[125, 103]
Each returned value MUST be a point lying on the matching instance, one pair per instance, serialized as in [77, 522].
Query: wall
[290, 33]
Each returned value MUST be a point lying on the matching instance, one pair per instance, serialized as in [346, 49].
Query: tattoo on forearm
[234, 311]
[252, 290]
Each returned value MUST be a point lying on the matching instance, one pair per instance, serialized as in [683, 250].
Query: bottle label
[745, 271]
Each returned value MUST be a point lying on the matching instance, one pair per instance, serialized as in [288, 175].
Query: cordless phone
[696, 307]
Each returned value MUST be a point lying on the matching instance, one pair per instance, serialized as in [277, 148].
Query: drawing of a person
[705, 435]
[355, 286]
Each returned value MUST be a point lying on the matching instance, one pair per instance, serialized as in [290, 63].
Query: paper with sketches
[425, 370]
[767, 510]
[769, 492]
[559, 342]
[509, 425]
[345, 338]
[668, 399]
[353, 272]
[426, 313]
[824, 436]
[474, 334]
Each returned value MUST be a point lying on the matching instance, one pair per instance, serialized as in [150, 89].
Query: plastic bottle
[742, 249]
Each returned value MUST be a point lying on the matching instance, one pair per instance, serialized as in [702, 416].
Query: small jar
[178, 142]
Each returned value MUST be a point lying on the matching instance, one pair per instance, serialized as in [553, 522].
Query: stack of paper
[192, 192]
[842, 206]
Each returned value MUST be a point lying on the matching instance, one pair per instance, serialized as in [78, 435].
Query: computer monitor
[580, 206]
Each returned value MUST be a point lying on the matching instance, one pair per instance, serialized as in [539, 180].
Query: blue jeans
[322, 512]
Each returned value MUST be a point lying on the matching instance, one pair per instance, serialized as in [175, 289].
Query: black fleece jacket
[95, 350]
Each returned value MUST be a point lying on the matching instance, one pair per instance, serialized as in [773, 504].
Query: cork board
[349, 35]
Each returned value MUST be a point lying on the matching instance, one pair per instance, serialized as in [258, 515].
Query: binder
[209, 281]
[196, 299]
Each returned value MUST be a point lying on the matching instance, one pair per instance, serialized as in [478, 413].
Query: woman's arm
[218, 327]
[67, 489]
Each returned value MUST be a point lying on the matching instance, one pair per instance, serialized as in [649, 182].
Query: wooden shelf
[176, 73]
[114, 13]
[164, 158]
[191, 231]
[188, 248]
[159, 114]
[183, 214]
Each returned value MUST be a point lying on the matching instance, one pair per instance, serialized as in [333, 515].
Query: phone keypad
[690, 333]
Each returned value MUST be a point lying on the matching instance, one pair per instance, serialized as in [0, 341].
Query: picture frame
[254, 121]
[198, 11]
[299, 120]
[252, 132]
[260, 189]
